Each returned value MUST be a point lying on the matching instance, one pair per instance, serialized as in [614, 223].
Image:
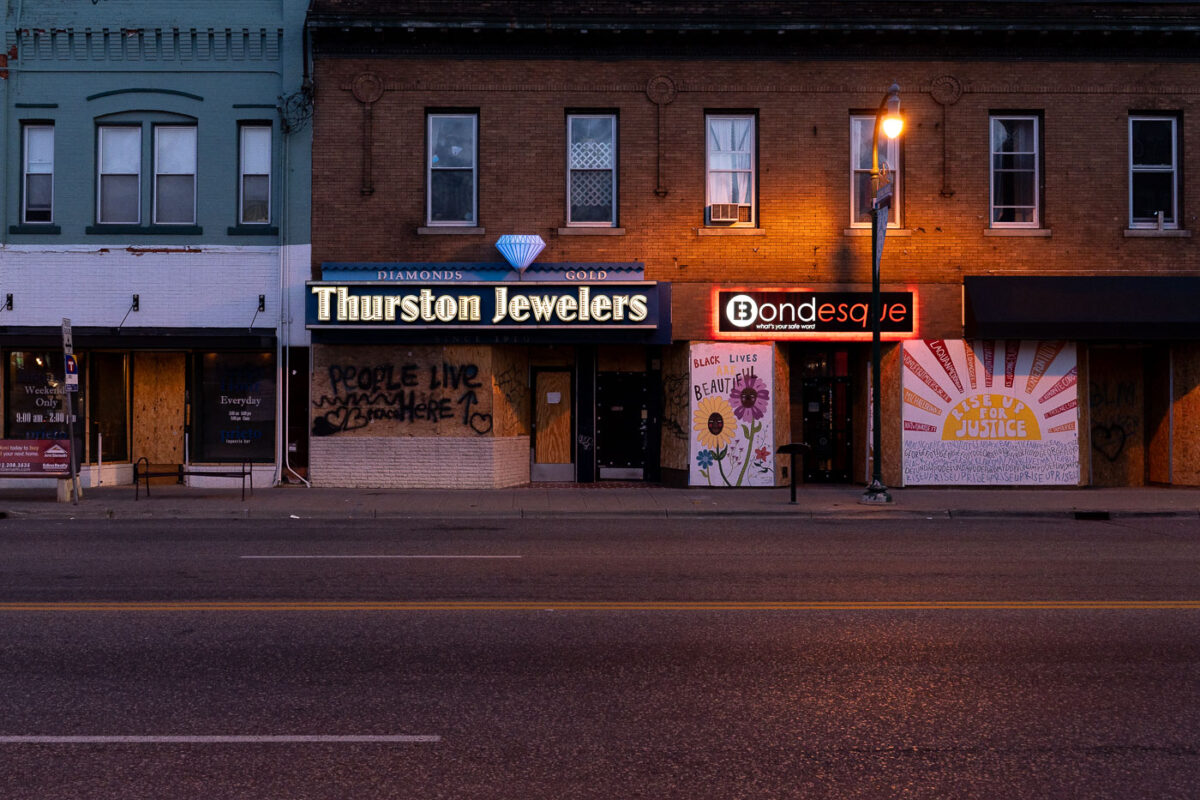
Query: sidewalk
[599, 500]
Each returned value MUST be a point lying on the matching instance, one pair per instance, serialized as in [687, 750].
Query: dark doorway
[622, 423]
[822, 395]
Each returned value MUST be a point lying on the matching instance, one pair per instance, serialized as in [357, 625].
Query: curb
[868, 514]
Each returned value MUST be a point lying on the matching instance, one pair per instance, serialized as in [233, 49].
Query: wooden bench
[142, 471]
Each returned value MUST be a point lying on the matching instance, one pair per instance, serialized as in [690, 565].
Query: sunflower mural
[732, 436]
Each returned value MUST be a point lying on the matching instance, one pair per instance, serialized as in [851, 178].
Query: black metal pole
[876, 492]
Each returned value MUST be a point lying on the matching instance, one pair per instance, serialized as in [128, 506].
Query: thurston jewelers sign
[799, 313]
[479, 306]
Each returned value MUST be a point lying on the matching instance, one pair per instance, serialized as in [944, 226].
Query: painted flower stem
[720, 458]
[755, 427]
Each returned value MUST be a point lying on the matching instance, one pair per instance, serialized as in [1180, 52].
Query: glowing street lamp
[887, 119]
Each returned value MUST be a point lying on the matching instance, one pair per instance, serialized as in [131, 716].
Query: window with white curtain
[174, 175]
[254, 185]
[592, 169]
[38, 191]
[119, 198]
[1015, 172]
[730, 158]
[862, 133]
[1153, 172]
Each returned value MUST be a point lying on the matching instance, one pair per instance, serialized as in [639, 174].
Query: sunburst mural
[991, 411]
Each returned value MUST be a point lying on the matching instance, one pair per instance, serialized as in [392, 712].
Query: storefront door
[159, 391]
[552, 426]
[622, 417]
[821, 383]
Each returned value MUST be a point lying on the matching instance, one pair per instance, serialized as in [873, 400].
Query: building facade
[156, 183]
[700, 179]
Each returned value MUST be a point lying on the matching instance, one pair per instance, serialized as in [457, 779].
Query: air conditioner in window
[728, 212]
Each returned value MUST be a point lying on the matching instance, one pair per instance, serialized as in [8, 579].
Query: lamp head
[893, 123]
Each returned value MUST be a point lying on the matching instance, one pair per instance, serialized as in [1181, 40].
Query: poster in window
[732, 413]
[35, 407]
[990, 411]
[237, 407]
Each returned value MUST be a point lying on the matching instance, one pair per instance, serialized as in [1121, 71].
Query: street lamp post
[887, 119]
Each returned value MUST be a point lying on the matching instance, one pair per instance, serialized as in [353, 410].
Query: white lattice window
[592, 169]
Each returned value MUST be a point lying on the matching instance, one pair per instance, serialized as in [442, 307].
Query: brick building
[707, 165]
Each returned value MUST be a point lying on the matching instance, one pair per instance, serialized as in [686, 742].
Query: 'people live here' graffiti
[434, 393]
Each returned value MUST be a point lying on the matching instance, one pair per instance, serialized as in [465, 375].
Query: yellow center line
[668, 605]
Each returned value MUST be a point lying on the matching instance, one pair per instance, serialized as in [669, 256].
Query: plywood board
[552, 443]
[783, 421]
[159, 389]
[510, 391]
[402, 390]
[1116, 402]
[1185, 461]
[676, 425]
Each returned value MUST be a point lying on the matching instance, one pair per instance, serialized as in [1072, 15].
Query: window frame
[893, 160]
[752, 193]
[613, 168]
[26, 128]
[157, 128]
[242, 174]
[100, 173]
[430, 116]
[1038, 211]
[1173, 223]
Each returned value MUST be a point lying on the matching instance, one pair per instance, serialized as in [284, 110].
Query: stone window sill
[35, 229]
[587, 231]
[1018, 233]
[144, 230]
[449, 230]
[730, 232]
[867, 232]
[1155, 233]
[252, 230]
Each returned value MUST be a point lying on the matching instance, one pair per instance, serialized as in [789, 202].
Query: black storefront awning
[87, 337]
[1083, 308]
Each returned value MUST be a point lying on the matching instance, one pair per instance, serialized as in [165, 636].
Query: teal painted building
[156, 173]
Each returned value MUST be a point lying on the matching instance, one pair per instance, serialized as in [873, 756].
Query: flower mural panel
[733, 438]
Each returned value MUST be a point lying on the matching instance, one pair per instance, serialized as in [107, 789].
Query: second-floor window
[730, 156]
[1015, 172]
[174, 175]
[862, 195]
[119, 186]
[38, 190]
[254, 171]
[591, 169]
[451, 175]
[1153, 172]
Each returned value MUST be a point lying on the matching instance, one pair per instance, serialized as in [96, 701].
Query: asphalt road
[600, 659]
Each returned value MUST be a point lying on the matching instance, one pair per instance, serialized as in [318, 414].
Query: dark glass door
[622, 422]
[821, 383]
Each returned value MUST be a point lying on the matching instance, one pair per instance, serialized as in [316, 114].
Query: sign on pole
[71, 373]
[70, 384]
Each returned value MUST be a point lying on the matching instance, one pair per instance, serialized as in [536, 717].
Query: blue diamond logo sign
[520, 250]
